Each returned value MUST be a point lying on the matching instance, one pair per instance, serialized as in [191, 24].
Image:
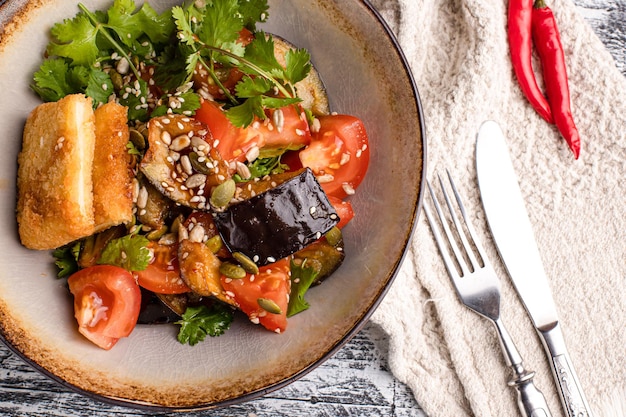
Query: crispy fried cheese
[68, 151]
[112, 177]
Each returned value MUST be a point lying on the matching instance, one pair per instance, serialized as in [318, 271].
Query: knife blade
[513, 234]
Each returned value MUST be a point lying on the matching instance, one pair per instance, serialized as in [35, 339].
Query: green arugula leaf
[198, 322]
[129, 252]
[66, 259]
[75, 39]
[302, 277]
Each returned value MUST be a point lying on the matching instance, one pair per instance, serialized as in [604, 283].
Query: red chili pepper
[548, 43]
[519, 31]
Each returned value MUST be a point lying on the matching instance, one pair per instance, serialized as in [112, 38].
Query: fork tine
[450, 239]
[468, 224]
[457, 223]
[441, 244]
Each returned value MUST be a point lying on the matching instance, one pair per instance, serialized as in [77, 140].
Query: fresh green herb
[263, 166]
[185, 103]
[302, 277]
[198, 322]
[66, 259]
[209, 36]
[129, 252]
[82, 48]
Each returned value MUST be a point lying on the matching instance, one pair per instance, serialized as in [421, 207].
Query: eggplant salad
[184, 166]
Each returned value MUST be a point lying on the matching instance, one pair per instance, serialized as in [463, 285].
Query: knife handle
[570, 390]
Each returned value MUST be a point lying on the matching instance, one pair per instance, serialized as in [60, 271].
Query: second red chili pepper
[519, 32]
[548, 43]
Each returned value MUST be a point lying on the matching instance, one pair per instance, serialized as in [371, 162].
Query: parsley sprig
[209, 34]
[201, 321]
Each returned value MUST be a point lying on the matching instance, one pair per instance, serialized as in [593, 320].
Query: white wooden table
[355, 382]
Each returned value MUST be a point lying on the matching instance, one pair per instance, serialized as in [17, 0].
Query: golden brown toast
[112, 177]
[55, 199]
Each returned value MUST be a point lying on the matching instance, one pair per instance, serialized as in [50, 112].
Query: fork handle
[530, 400]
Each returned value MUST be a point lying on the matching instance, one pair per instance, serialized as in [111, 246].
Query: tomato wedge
[264, 297]
[338, 154]
[344, 210]
[107, 301]
[235, 143]
[162, 275]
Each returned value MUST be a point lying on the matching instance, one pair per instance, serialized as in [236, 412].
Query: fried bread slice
[112, 177]
[55, 189]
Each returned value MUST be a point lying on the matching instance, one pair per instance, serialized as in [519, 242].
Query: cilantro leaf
[66, 259]
[51, 80]
[129, 252]
[261, 52]
[252, 87]
[302, 277]
[122, 20]
[198, 322]
[298, 65]
[267, 166]
[75, 39]
[243, 114]
[253, 11]
[136, 101]
[99, 86]
[221, 24]
[188, 103]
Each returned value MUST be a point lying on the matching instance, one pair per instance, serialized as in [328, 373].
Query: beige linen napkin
[449, 356]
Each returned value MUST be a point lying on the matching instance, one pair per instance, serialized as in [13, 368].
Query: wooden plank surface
[354, 382]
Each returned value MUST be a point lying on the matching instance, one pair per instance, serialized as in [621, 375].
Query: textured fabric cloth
[450, 357]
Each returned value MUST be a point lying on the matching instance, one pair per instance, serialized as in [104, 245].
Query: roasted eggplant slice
[279, 221]
[154, 311]
[199, 266]
[321, 256]
[181, 161]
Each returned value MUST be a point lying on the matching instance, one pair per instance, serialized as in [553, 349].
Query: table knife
[512, 231]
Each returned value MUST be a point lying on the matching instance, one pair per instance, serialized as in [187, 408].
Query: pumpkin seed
[223, 193]
[334, 236]
[137, 139]
[214, 243]
[157, 234]
[246, 263]
[269, 305]
[232, 271]
[197, 165]
[116, 79]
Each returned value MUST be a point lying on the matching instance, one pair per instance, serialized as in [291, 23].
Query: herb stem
[100, 27]
[253, 67]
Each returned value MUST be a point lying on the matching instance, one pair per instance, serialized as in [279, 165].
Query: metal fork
[478, 287]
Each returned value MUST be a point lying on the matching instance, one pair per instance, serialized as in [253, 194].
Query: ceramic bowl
[366, 75]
